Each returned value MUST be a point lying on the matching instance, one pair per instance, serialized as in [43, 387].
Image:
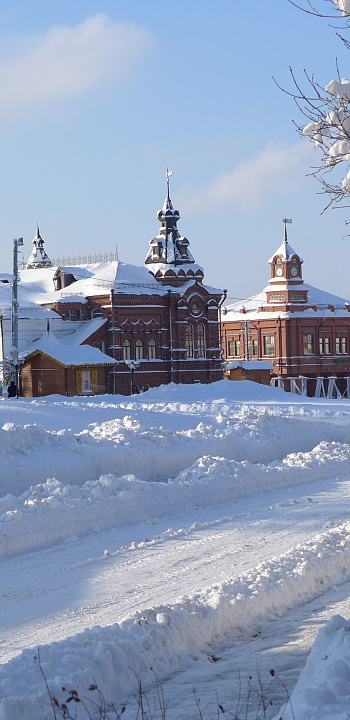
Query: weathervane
[285, 221]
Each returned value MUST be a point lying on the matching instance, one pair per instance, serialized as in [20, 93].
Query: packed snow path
[253, 474]
[55, 592]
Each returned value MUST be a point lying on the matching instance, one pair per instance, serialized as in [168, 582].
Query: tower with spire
[38, 257]
[286, 284]
[169, 258]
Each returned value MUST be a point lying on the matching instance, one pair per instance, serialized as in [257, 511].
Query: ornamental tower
[38, 257]
[169, 258]
[286, 284]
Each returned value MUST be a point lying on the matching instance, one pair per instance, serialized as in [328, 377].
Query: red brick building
[159, 322]
[302, 330]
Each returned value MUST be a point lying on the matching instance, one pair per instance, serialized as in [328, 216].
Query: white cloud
[66, 62]
[276, 169]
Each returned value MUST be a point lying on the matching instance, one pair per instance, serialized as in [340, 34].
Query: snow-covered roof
[249, 365]
[88, 328]
[36, 286]
[154, 267]
[90, 280]
[323, 301]
[28, 298]
[136, 280]
[285, 251]
[72, 355]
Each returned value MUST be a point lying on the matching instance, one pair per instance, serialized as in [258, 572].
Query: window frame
[189, 341]
[269, 342]
[138, 349]
[126, 347]
[308, 344]
[201, 347]
[152, 349]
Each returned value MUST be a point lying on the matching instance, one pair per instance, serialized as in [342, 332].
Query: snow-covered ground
[188, 534]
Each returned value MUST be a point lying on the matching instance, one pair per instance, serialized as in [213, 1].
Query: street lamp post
[133, 365]
[14, 315]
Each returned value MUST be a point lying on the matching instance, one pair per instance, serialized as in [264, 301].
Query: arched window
[139, 350]
[189, 341]
[97, 313]
[151, 349]
[126, 350]
[201, 340]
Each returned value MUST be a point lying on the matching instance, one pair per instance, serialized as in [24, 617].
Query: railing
[332, 388]
[85, 259]
[122, 285]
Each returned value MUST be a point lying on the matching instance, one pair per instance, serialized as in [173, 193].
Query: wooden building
[52, 369]
[254, 370]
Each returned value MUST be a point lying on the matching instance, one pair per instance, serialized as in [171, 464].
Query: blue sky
[98, 98]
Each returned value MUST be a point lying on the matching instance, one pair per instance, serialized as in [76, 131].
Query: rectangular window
[252, 348]
[237, 348]
[230, 347]
[139, 350]
[344, 345]
[189, 341]
[78, 314]
[325, 346]
[269, 345]
[337, 345]
[152, 350]
[308, 344]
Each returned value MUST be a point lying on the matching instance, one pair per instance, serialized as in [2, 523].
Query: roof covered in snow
[88, 328]
[285, 252]
[69, 355]
[323, 301]
[249, 365]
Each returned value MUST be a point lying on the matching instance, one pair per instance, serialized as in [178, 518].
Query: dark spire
[169, 247]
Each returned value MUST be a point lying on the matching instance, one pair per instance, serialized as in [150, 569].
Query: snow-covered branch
[327, 111]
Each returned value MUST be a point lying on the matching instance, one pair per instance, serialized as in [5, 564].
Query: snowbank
[161, 640]
[30, 454]
[323, 689]
[53, 511]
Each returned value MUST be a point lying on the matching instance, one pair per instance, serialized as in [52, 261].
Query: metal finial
[168, 175]
[285, 221]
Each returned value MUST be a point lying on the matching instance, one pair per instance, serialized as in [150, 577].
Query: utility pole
[171, 338]
[14, 316]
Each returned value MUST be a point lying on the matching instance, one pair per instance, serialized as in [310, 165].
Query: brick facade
[161, 322]
[303, 331]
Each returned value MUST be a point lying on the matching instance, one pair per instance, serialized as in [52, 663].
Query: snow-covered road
[252, 524]
[58, 591]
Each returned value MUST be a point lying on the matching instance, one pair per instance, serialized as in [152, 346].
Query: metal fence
[333, 388]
